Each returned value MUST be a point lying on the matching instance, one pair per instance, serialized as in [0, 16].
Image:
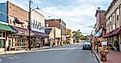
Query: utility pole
[61, 31]
[29, 23]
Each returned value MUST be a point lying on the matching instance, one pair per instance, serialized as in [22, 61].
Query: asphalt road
[65, 54]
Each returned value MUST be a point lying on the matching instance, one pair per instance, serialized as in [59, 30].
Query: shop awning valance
[39, 34]
[113, 33]
[6, 27]
[21, 31]
[98, 34]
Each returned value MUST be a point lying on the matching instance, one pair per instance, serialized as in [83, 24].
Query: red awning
[108, 34]
[113, 33]
[118, 31]
[20, 31]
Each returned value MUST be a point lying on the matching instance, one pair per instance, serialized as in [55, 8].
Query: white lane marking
[0, 60]
[10, 58]
[58, 49]
[15, 57]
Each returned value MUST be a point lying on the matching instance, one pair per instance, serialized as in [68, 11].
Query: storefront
[5, 30]
[19, 40]
[114, 39]
[40, 39]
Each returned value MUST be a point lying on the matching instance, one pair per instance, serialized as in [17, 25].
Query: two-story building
[54, 35]
[38, 28]
[100, 26]
[113, 24]
[17, 19]
[59, 23]
[5, 29]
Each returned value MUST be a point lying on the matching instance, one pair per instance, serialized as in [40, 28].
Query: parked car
[86, 46]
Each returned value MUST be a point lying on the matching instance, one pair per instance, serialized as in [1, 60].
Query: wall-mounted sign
[37, 26]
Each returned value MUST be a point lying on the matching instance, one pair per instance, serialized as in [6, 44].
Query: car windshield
[59, 31]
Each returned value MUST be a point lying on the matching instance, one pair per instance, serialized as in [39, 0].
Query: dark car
[86, 46]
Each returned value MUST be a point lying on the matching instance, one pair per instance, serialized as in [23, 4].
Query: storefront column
[120, 42]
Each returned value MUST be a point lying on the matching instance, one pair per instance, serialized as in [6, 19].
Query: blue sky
[78, 14]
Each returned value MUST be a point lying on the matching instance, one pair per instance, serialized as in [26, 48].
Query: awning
[39, 34]
[6, 27]
[118, 31]
[107, 35]
[113, 33]
[98, 34]
[21, 31]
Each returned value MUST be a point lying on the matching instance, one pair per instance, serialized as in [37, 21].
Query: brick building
[100, 26]
[59, 23]
[113, 24]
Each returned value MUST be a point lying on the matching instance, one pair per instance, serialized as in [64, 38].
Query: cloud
[78, 14]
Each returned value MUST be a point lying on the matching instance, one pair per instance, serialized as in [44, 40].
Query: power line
[60, 17]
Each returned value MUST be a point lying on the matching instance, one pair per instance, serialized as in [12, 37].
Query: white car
[86, 46]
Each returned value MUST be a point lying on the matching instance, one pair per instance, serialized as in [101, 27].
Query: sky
[77, 14]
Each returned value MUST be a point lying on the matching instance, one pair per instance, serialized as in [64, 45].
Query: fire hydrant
[103, 54]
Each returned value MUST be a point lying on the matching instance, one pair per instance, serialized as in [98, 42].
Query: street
[63, 54]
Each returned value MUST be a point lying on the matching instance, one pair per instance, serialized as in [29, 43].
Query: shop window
[12, 43]
[9, 42]
[0, 34]
[3, 34]
[2, 43]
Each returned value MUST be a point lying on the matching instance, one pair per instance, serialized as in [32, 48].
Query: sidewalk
[113, 57]
[23, 50]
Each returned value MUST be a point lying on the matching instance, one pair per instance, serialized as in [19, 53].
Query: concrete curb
[23, 51]
[97, 57]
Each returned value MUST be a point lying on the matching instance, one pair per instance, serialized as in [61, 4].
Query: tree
[77, 34]
[68, 32]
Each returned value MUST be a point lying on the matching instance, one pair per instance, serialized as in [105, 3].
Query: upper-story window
[117, 13]
[0, 34]
[110, 18]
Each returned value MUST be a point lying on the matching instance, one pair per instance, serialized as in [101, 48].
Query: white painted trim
[2, 38]
[3, 23]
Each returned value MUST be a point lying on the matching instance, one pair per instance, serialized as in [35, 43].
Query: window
[2, 43]
[110, 18]
[9, 42]
[0, 34]
[117, 14]
[117, 11]
[3, 34]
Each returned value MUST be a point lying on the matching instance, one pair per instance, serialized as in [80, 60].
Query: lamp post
[29, 23]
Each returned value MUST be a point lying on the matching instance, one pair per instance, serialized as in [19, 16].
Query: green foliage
[78, 35]
[68, 32]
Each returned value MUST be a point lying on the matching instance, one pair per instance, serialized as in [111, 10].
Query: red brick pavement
[113, 57]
